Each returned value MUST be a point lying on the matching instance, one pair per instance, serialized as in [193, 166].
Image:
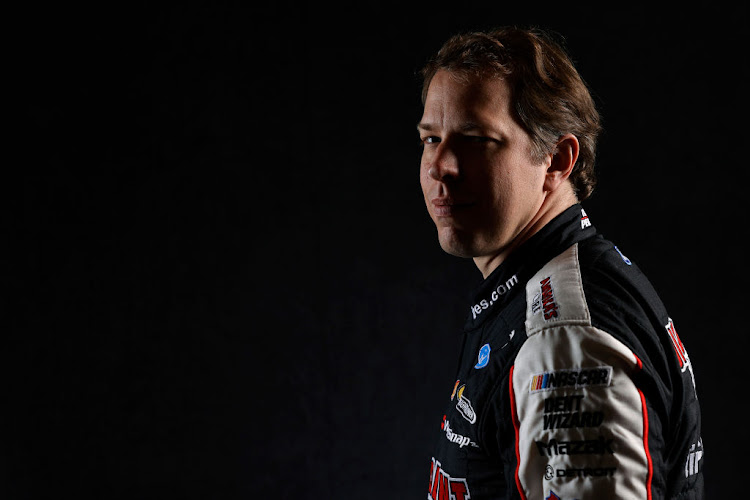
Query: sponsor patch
[692, 464]
[445, 487]
[545, 300]
[455, 387]
[451, 436]
[573, 378]
[510, 337]
[679, 348]
[565, 412]
[574, 420]
[624, 259]
[552, 495]
[553, 447]
[585, 222]
[484, 357]
[464, 406]
[496, 294]
[586, 472]
[549, 473]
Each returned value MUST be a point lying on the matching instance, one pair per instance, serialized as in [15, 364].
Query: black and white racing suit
[572, 382]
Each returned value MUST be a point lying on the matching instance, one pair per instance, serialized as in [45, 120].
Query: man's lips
[447, 207]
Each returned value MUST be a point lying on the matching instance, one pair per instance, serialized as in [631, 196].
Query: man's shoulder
[590, 283]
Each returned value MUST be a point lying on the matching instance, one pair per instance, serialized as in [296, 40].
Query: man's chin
[453, 244]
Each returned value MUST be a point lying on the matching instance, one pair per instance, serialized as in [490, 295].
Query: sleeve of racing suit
[581, 422]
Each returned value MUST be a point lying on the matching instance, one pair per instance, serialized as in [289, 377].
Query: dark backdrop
[224, 283]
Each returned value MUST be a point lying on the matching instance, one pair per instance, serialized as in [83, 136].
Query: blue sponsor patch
[624, 259]
[484, 357]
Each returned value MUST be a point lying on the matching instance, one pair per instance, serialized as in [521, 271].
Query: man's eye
[431, 139]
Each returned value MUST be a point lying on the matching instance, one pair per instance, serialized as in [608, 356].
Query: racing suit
[572, 382]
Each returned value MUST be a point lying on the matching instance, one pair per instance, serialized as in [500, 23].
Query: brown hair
[550, 98]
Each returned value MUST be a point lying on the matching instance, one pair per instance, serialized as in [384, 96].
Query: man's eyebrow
[427, 127]
[464, 127]
[470, 126]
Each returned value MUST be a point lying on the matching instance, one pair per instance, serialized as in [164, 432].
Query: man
[572, 381]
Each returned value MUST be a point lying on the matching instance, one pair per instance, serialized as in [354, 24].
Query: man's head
[508, 131]
[548, 95]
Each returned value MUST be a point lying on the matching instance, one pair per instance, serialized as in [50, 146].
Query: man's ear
[563, 160]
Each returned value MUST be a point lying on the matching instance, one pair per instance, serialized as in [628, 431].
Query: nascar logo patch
[573, 378]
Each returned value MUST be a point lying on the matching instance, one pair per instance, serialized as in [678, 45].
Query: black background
[224, 283]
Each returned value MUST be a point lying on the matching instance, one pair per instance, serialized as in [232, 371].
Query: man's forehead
[468, 84]
[470, 101]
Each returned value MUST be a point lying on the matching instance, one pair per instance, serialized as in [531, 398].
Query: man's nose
[444, 165]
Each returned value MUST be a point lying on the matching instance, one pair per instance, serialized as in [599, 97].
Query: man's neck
[553, 205]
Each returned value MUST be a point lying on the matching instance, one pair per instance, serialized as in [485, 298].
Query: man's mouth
[448, 207]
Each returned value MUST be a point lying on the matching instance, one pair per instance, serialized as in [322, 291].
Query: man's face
[480, 184]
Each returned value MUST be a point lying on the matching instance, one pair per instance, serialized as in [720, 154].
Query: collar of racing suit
[510, 277]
